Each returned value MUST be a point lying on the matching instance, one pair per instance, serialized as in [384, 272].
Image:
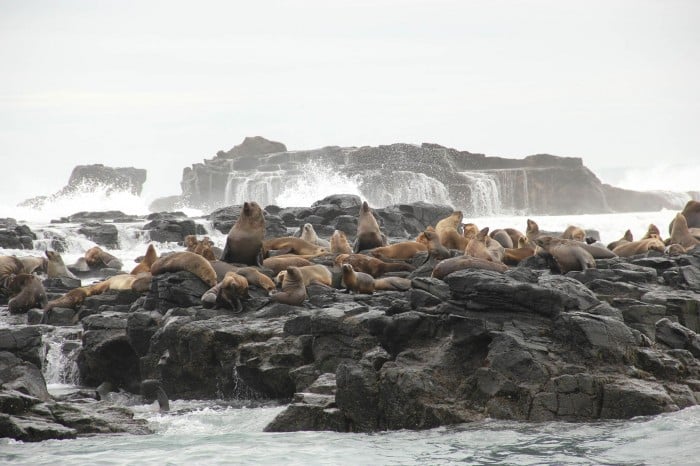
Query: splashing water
[61, 349]
[485, 198]
[315, 182]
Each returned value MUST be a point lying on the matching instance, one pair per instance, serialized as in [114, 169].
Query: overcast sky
[163, 85]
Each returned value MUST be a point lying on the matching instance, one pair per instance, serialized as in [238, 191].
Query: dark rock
[171, 230]
[342, 201]
[675, 336]
[629, 398]
[685, 305]
[641, 316]
[22, 376]
[24, 342]
[598, 337]
[179, 289]
[103, 234]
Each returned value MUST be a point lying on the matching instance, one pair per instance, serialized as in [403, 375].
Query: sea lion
[392, 284]
[652, 231]
[280, 263]
[691, 212]
[228, 292]
[69, 300]
[26, 292]
[97, 258]
[574, 233]
[256, 278]
[309, 234]
[533, 230]
[513, 256]
[204, 249]
[448, 231]
[502, 237]
[453, 264]
[403, 251]
[292, 245]
[34, 264]
[10, 265]
[55, 267]
[469, 231]
[476, 247]
[515, 235]
[597, 251]
[317, 273]
[190, 242]
[371, 265]
[185, 260]
[339, 243]
[435, 248]
[369, 236]
[293, 289]
[245, 239]
[357, 282]
[147, 261]
[142, 282]
[674, 250]
[639, 247]
[567, 256]
[680, 234]
[626, 238]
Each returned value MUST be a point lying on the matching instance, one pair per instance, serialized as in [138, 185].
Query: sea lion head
[544, 242]
[294, 275]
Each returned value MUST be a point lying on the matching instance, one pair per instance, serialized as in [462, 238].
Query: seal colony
[279, 311]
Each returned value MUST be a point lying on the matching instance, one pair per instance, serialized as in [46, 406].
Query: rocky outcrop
[13, 236]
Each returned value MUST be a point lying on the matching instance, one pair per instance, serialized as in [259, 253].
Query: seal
[97, 258]
[566, 256]
[309, 234]
[227, 293]
[369, 236]
[245, 238]
[502, 237]
[371, 265]
[293, 289]
[34, 264]
[453, 264]
[680, 234]
[357, 282]
[55, 267]
[626, 238]
[292, 245]
[339, 243]
[691, 212]
[448, 231]
[26, 290]
[311, 274]
[392, 284]
[147, 261]
[280, 263]
[574, 233]
[403, 251]
[185, 260]
[633, 248]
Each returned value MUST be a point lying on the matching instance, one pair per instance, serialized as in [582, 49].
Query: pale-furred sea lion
[245, 238]
[357, 282]
[228, 292]
[371, 265]
[185, 260]
[448, 231]
[435, 248]
[26, 292]
[533, 230]
[469, 231]
[476, 247]
[403, 251]
[453, 264]
[680, 234]
[293, 289]
[280, 263]
[574, 233]
[69, 300]
[392, 284]
[369, 236]
[317, 273]
[55, 267]
[97, 258]
[652, 231]
[147, 261]
[691, 212]
[626, 238]
[293, 245]
[309, 234]
[566, 255]
[339, 243]
[639, 247]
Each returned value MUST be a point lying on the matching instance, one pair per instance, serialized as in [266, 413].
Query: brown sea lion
[421, 238]
[513, 256]
[639, 247]
[448, 231]
[566, 255]
[680, 234]
[470, 230]
[515, 236]
[245, 239]
[293, 289]
[477, 247]
[652, 231]
[357, 282]
[292, 245]
[10, 265]
[280, 263]
[185, 260]
[371, 265]
[147, 261]
[142, 282]
[691, 212]
[257, 278]
[453, 264]
[190, 242]
[533, 230]
[317, 273]
[502, 237]
[626, 238]
[392, 284]
[26, 292]
[674, 250]
[339, 243]
[369, 236]
[598, 252]
[98, 258]
[435, 248]
[403, 251]
[204, 249]
[34, 264]
[574, 233]
[228, 292]
[55, 267]
[309, 234]
[69, 300]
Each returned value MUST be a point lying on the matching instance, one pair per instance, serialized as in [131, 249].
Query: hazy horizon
[162, 86]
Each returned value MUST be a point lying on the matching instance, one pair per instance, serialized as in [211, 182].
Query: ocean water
[231, 431]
